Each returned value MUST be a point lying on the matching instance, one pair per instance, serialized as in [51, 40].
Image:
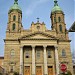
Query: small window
[38, 27]
[14, 18]
[60, 28]
[13, 27]
[38, 53]
[27, 54]
[11, 69]
[54, 19]
[10, 18]
[63, 53]
[59, 19]
[19, 18]
[49, 54]
[12, 53]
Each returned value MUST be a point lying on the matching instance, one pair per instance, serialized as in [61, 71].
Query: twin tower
[15, 18]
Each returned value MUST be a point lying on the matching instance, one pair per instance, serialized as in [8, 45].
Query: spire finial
[55, 3]
[15, 1]
[37, 19]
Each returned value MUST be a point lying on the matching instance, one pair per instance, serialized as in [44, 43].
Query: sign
[63, 67]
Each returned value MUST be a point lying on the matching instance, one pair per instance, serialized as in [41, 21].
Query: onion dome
[56, 8]
[15, 7]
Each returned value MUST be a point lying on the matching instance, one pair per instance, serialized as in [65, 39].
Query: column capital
[56, 47]
[44, 46]
[33, 46]
[21, 46]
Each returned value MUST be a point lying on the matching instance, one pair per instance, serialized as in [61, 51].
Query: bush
[0, 73]
[16, 73]
[67, 73]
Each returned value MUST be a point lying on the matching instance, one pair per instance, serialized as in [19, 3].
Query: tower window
[19, 18]
[11, 70]
[63, 53]
[14, 18]
[60, 28]
[59, 19]
[12, 53]
[54, 19]
[13, 27]
[49, 54]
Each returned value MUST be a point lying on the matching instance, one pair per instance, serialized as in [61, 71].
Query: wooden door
[27, 70]
[38, 70]
[50, 70]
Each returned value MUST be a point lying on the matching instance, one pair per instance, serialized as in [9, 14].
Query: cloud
[33, 5]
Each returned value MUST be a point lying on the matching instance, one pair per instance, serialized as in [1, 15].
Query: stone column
[45, 62]
[33, 60]
[21, 61]
[57, 60]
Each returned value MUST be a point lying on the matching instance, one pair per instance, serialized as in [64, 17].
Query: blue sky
[32, 9]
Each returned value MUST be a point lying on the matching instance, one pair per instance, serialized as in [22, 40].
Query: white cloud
[33, 5]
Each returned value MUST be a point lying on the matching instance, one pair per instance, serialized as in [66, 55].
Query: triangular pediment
[38, 35]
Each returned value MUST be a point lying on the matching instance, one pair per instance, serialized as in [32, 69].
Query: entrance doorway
[50, 70]
[38, 70]
[27, 70]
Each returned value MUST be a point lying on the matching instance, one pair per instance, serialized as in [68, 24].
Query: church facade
[36, 51]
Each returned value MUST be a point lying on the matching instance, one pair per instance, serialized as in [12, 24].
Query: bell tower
[57, 20]
[14, 18]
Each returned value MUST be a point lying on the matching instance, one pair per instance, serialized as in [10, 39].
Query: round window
[38, 27]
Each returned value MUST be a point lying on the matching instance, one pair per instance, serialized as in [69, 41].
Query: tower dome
[56, 8]
[15, 7]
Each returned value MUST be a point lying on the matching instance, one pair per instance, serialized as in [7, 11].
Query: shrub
[0, 73]
[69, 73]
[16, 73]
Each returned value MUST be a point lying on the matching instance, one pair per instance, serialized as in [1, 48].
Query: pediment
[38, 35]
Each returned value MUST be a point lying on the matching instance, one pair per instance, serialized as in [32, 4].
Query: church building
[38, 50]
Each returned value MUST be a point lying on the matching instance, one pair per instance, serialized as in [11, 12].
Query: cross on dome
[55, 3]
[15, 1]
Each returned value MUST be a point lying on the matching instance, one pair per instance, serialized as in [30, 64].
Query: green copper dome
[15, 6]
[56, 7]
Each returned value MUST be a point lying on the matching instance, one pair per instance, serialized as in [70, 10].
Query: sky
[31, 9]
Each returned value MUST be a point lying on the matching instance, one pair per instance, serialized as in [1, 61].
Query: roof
[72, 28]
[15, 7]
[56, 7]
[1, 57]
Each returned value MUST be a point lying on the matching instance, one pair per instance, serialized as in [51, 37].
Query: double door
[27, 70]
[38, 70]
[50, 70]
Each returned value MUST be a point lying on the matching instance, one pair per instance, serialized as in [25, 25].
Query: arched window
[27, 54]
[63, 53]
[54, 19]
[11, 68]
[49, 54]
[19, 18]
[9, 18]
[38, 54]
[13, 26]
[14, 18]
[60, 28]
[12, 53]
[59, 19]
